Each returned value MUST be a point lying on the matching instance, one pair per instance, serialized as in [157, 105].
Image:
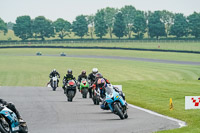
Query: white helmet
[54, 70]
[94, 70]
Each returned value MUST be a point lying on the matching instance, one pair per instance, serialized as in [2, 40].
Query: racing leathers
[53, 74]
[91, 78]
[12, 107]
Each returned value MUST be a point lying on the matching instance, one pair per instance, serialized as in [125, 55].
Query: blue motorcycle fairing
[115, 97]
[10, 115]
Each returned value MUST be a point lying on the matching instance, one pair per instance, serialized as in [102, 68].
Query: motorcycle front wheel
[98, 100]
[54, 86]
[4, 126]
[23, 129]
[70, 95]
[119, 111]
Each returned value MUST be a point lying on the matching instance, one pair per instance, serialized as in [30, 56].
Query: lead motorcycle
[9, 122]
[70, 90]
[116, 103]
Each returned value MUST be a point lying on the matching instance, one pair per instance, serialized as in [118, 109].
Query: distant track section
[119, 48]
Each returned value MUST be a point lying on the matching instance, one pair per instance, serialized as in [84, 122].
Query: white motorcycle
[54, 83]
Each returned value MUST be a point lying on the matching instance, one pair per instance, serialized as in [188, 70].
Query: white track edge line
[181, 123]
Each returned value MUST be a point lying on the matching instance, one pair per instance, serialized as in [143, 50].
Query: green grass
[186, 46]
[146, 84]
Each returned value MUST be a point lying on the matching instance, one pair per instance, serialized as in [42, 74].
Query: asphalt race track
[49, 112]
[118, 58]
[137, 59]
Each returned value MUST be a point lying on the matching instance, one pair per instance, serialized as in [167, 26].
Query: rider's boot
[21, 120]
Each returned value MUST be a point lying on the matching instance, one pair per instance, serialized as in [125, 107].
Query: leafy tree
[10, 25]
[42, 28]
[100, 24]
[140, 25]
[180, 26]
[119, 25]
[129, 13]
[62, 27]
[80, 26]
[90, 20]
[3, 26]
[194, 24]
[168, 19]
[147, 16]
[156, 27]
[109, 18]
[23, 27]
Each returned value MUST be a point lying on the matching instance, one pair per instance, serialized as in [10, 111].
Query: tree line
[127, 21]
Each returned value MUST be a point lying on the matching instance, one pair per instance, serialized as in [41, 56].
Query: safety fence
[96, 41]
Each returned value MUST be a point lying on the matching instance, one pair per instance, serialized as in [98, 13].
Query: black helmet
[83, 72]
[99, 75]
[3, 102]
[69, 71]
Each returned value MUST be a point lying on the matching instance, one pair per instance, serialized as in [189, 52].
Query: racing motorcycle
[70, 90]
[54, 83]
[84, 86]
[9, 122]
[116, 103]
[97, 96]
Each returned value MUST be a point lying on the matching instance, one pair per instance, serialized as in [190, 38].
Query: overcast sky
[69, 9]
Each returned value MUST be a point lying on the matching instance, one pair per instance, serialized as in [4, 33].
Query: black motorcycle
[70, 90]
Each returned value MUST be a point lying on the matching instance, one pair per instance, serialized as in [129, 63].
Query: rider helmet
[83, 72]
[99, 75]
[94, 71]
[2, 101]
[69, 71]
[101, 83]
[54, 70]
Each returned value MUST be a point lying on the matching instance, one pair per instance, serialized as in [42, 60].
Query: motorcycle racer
[82, 75]
[104, 103]
[12, 107]
[91, 78]
[53, 74]
[68, 77]
[92, 75]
